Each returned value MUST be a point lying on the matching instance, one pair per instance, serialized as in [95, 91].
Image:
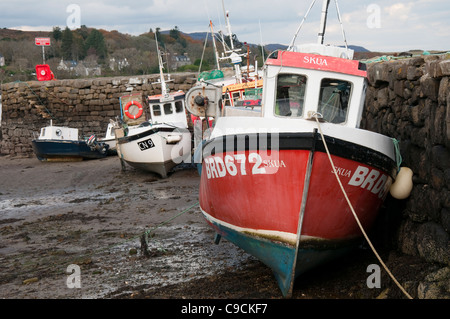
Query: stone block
[414, 72]
[444, 67]
[400, 70]
[444, 90]
[377, 74]
[383, 97]
[441, 157]
[429, 87]
[398, 88]
[433, 243]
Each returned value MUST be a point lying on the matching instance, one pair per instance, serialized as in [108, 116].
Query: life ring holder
[127, 113]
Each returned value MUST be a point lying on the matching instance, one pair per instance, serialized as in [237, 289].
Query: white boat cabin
[58, 133]
[168, 110]
[300, 84]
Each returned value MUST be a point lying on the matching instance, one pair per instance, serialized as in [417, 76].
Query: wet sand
[93, 215]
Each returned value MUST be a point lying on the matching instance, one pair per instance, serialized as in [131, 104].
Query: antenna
[262, 45]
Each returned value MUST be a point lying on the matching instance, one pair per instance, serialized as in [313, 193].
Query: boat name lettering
[372, 180]
[315, 60]
[219, 166]
[145, 145]
[274, 163]
[342, 171]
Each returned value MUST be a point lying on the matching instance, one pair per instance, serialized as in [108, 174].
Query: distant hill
[21, 35]
[196, 36]
[269, 47]
[273, 47]
[357, 48]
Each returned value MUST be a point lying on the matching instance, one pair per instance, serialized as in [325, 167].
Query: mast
[214, 45]
[227, 22]
[234, 57]
[323, 21]
[164, 91]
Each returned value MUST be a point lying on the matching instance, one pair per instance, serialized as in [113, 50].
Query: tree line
[114, 52]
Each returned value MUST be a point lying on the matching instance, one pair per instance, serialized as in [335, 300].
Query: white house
[180, 60]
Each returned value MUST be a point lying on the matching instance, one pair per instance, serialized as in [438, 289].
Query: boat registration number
[145, 145]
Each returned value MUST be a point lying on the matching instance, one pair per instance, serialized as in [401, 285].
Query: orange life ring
[127, 113]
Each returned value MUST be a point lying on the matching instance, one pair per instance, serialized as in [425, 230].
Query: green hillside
[88, 52]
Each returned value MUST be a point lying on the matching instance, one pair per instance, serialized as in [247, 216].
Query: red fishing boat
[269, 179]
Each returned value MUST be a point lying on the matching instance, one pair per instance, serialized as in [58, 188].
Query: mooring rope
[315, 115]
[145, 235]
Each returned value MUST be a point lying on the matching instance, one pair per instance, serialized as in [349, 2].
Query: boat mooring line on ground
[143, 235]
[316, 116]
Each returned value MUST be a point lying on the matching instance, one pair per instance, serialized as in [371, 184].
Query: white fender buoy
[172, 139]
[403, 184]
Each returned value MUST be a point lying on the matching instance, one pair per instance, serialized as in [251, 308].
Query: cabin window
[236, 96]
[290, 95]
[178, 106]
[168, 108]
[156, 110]
[227, 99]
[334, 100]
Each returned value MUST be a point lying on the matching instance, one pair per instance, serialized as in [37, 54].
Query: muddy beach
[92, 215]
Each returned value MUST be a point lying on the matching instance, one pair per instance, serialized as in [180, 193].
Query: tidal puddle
[20, 207]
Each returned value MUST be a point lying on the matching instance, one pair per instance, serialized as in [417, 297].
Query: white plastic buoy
[403, 184]
[172, 139]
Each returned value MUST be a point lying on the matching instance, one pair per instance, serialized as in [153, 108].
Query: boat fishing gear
[95, 145]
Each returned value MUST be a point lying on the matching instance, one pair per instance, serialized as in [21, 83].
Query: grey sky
[383, 25]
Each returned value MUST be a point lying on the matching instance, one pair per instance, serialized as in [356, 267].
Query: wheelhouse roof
[316, 62]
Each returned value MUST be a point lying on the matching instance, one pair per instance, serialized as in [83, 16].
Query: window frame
[350, 85]
[303, 97]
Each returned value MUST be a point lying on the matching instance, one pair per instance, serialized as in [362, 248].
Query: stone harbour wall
[409, 100]
[86, 104]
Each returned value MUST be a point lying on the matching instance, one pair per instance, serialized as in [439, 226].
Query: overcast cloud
[384, 25]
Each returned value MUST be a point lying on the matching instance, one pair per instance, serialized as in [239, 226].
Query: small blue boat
[58, 143]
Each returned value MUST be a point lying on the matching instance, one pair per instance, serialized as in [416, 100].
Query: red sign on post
[42, 41]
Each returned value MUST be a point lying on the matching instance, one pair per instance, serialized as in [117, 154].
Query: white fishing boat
[161, 142]
[110, 138]
[235, 85]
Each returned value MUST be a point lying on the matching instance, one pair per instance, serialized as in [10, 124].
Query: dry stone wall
[86, 104]
[408, 99]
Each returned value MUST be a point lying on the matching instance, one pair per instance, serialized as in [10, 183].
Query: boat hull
[152, 150]
[285, 206]
[61, 150]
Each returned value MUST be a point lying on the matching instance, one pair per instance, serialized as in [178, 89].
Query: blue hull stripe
[54, 148]
[279, 256]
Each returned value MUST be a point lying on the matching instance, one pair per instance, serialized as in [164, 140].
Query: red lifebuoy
[127, 113]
